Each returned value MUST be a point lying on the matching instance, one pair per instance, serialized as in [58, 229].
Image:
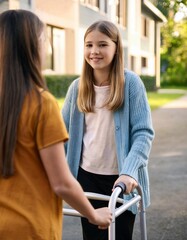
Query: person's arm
[141, 134]
[71, 95]
[66, 186]
[67, 105]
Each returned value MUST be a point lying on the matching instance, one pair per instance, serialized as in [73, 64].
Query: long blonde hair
[86, 94]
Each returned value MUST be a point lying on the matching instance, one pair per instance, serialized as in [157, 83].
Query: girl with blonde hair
[109, 122]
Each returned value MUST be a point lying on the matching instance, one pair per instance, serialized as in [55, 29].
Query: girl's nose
[95, 50]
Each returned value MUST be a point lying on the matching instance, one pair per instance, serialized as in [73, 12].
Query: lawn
[60, 102]
[156, 100]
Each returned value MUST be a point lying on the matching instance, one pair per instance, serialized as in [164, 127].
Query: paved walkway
[182, 91]
[167, 215]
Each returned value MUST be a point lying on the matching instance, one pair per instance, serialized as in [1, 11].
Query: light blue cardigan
[133, 132]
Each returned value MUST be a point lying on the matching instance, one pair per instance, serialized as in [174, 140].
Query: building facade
[139, 23]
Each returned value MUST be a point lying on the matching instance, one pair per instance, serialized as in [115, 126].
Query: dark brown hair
[20, 72]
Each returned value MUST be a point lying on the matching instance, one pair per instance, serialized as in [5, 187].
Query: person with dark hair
[109, 122]
[34, 174]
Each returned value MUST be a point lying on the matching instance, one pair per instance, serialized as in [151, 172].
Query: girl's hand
[103, 218]
[128, 181]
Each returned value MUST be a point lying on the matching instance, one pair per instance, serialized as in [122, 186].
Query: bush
[149, 82]
[59, 84]
[174, 77]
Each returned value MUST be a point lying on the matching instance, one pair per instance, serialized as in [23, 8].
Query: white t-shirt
[99, 149]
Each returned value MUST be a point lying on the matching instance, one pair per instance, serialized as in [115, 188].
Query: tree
[168, 6]
[174, 42]
[173, 53]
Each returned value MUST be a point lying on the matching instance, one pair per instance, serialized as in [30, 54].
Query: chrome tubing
[113, 199]
[119, 188]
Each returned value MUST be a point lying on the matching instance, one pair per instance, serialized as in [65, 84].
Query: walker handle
[122, 186]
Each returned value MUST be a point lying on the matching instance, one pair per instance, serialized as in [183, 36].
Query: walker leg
[143, 225]
[111, 230]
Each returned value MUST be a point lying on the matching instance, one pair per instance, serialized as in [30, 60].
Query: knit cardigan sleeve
[69, 105]
[140, 130]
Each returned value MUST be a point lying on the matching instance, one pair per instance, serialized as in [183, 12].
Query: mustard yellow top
[29, 209]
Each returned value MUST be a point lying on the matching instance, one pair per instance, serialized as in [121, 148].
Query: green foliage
[168, 7]
[149, 82]
[59, 84]
[157, 100]
[174, 53]
[174, 43]
[163, 6]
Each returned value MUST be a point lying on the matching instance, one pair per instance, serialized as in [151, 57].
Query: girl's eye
[88, 45]
[102, 45]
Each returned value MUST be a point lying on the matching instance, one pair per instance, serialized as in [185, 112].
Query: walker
[113, 199]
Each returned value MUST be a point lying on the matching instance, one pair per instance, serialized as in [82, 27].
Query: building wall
[134, 27]
[148, 50]
[62, 17]
[4, 6]
[67, 21]
[88, 15]
[74, 21]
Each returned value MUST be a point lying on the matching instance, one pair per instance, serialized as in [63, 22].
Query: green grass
[60, 102]
[174, 87]
[156, 100]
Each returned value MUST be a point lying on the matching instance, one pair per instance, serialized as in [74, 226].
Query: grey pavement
[180, 91]
[167, 214]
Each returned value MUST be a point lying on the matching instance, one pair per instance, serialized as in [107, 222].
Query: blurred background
[154, 34]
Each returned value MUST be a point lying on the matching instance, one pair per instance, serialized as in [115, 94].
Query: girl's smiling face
[99, 50]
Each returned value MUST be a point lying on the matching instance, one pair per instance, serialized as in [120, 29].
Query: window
[133, 59]
[145, 26]
[49, 54]
[94, 3]
[144, 62]
[101, 5]
[121, 12]
[55, 50]
[105, 6]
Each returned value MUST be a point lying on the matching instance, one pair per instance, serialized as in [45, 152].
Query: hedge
[149, 82]
[58, 84]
